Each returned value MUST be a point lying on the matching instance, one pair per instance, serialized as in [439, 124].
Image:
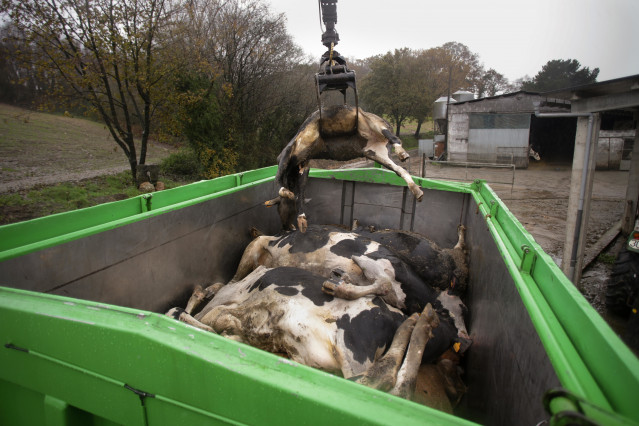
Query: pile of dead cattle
[383, 308]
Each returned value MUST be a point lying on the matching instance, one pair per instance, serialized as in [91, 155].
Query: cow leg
[180, 315]
[255, 254]
[347, 291]
[397, 145]
[378, 153]
[201, 296]
[374, 272]
[459, 280]
[461, 241]
[302, 223]
[401, 152]
[283, 193]
[195, 300]
[224, 322]
[423, 331]
[383, 373]
[454, 386]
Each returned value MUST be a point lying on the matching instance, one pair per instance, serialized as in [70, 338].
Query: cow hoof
[285, 193]
[418, 193]
[330, 287]
[212, 290]
[195, 300]
[431, 316]
[275, 201]
[401, 152]
[302, 224]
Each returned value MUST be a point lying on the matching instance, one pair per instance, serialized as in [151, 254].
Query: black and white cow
[443, 268]
[336, 299]
[284, 311]
[354, 265]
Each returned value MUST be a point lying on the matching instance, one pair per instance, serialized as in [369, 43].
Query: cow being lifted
[340, 133]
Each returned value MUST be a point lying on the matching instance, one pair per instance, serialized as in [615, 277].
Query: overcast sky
[514, 37]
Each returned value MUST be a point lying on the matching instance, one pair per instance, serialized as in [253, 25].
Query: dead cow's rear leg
[397, 145]
[382, 374]
[377, 152]
[423, 331]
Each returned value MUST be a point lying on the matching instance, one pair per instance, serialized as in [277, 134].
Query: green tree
[389, 87]
[106, 52]
[490, 83]
[559, 74]
[405, 83]
[462, 64]
[430, 81]
[246, 84]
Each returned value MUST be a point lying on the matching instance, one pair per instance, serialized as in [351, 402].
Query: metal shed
[500, 129]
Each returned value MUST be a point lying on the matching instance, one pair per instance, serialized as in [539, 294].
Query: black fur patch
[286, 279]
[287, 291]
[313, 239]
[444, 336]
[429, 261]
[418, 293]
[349, 248]
[176, 312]
[369, 330]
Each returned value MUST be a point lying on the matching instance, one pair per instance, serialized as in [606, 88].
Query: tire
[623, 284]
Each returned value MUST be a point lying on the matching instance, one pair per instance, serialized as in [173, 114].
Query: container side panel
[20, 405]
[377, 205]
[138, 368]
[340, 202]
[507, 368]
[149, 264]
[329, 201]
[438, 215]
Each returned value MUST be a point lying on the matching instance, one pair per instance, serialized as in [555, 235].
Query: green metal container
[84, 338]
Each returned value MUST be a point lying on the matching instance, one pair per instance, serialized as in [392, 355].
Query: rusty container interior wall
[84, 338]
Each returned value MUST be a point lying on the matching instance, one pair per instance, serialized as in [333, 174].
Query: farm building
[502, 129]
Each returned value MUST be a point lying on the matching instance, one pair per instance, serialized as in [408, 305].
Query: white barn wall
[518, 102]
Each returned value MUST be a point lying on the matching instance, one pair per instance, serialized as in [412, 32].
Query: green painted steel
[108, 357]
[65, 357]
[25, 237]
[589, 358]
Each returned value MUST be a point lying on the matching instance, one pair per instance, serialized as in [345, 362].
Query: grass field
[38, 144]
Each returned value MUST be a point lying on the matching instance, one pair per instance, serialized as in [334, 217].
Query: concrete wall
[518, 102]
[609, 154]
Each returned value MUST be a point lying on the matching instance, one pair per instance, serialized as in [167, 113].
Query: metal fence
[492, 173]
[468, 171]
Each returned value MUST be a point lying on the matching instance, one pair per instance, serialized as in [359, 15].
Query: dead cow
[341, 133]
[444, 268]
[284, 311]
[356, 266]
